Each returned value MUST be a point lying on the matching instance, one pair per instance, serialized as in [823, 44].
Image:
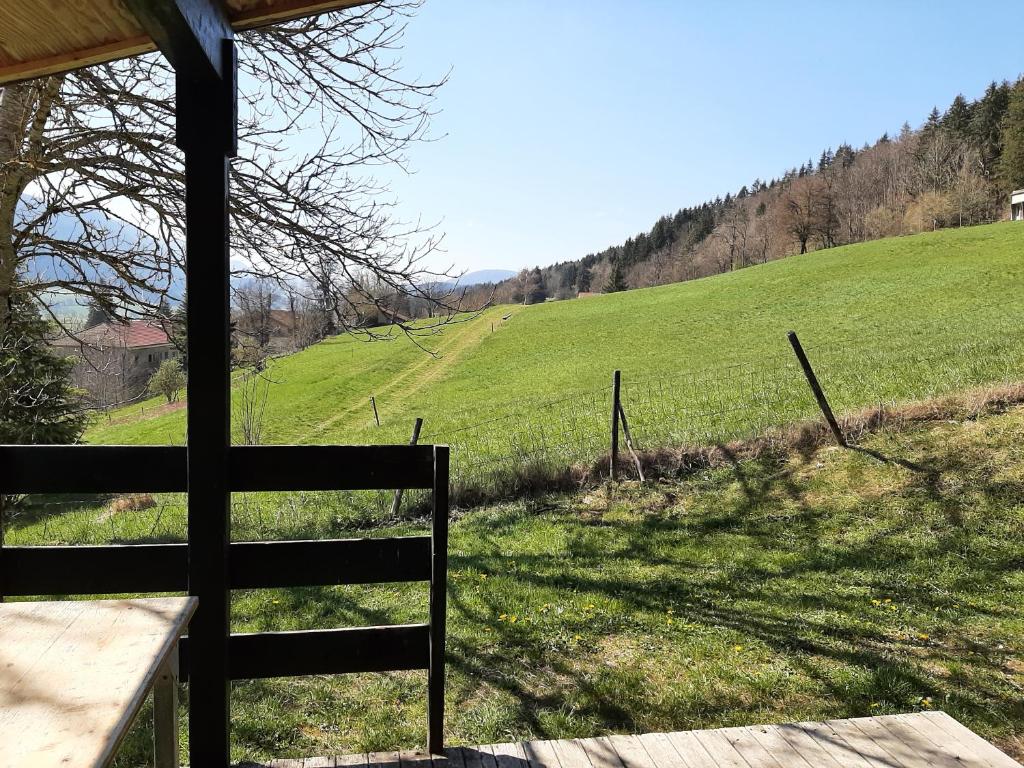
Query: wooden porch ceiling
[45, 37]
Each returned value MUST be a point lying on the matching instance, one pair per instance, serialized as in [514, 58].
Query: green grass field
[702, 361]
[830, 584]
[812, 585]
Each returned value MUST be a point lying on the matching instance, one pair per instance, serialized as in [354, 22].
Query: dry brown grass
[132, 502]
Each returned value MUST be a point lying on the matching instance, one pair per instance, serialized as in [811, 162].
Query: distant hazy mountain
[486, 276]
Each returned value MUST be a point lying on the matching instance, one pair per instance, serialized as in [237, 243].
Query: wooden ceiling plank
[55, 36]
[65, 62]
[249, 16]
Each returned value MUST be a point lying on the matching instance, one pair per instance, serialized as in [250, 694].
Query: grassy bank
[830, 583]
[886, 321]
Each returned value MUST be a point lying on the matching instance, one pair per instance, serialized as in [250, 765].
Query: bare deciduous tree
[92, 185]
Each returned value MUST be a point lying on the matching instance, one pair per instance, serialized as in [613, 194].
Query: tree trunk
[14, 100]
[24, 110]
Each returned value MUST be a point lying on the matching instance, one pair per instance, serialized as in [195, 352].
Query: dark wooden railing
[141, 568]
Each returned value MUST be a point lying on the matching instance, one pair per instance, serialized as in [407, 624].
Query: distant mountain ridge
[485, 276]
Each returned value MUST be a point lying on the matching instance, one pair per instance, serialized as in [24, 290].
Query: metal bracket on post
[819, 394]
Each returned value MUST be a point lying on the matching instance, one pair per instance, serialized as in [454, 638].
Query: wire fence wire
[526, 445]
[516, 448]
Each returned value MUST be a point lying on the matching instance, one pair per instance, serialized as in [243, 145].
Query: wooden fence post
[616, 387]
[819, 395]
[398, 491]
[373, 402]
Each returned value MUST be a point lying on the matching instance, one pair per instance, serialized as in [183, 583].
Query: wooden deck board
[631, 752]
[750, 749]
[919, 740]
[541, 754]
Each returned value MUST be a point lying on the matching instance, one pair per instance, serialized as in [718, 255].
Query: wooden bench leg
[165, 713]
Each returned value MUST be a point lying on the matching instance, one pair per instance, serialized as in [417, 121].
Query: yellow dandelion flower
[670, 621]
[577, 637]
[513, 619]
[922, 636]
[887, 600]
[876, 602]
[502, 617]
[737, 648]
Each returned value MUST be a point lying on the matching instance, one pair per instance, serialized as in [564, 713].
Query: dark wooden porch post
[197, 39]
[206, 122]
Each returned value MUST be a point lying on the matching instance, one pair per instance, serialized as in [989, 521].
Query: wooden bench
[74, 675]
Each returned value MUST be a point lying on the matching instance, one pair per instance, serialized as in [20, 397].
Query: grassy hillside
[887, 320]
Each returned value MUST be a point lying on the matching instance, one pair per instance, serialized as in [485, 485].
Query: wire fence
[530, 444]
[525, 445]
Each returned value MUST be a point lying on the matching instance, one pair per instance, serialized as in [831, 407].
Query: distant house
[1017, 205]
[587, 294]
[116, 360]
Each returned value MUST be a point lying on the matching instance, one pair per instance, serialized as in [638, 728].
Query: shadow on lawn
[794, 609]
[788, 566]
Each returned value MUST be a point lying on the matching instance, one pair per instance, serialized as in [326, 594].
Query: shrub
[168, 380]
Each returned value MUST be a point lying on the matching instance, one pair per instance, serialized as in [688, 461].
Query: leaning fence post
[616, 385]
[819, 395]
[373, 402]
[398, 491]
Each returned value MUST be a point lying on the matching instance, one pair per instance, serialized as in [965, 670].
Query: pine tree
[533, 287]
[38, 405]
[986, 125]
[178, 331]
[583, 279]
[1011, 162]
[957, 119]
[616, 280]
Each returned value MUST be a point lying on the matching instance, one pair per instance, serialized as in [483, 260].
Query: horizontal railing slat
[324, 651]
[331, 467]
[93, 570]
[256, 565]
[162, 469]
[132, 568]
[92, 469]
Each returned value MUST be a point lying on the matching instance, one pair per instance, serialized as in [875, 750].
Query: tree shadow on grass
[788, 604]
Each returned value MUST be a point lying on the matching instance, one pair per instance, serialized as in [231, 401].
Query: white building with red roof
[116, 360]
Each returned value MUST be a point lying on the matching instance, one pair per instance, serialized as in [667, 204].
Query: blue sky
[568, 126]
